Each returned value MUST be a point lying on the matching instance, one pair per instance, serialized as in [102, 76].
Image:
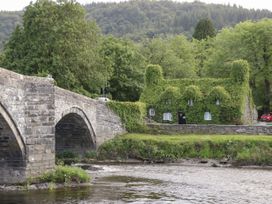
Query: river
[167, 183]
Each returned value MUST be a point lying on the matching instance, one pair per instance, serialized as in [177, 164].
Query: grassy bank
[237, 149]
[62, 175]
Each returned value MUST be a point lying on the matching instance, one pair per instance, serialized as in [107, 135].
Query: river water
[159, 184]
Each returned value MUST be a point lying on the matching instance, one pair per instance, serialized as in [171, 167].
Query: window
[207, 116]
[217, 102]
[190, 102]
[167, 116]
[151, 112]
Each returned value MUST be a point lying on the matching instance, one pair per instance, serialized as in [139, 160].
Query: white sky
[13, 5]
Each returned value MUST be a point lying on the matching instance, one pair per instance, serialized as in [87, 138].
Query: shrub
[242, 150]
[90, 154]
[67, 154]
[65, 174]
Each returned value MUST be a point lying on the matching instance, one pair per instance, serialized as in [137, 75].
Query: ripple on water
[160, 184]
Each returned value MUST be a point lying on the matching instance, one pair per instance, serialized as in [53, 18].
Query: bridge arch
[74, 132]
[12, 146]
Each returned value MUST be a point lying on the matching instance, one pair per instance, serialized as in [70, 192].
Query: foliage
[153, 75]
[202, 92]
[138, 20]
[52, 42]
[67, 154]
[192, 92]
[202, 51]
[252, 42]
[219, 93]
[173, 54]
[125, 68]
[168, 101]
[143, 19]
[90, 154]
[9, 21]
[242, 149]
[65, 174]
[132, 114]
[240, 71]
[204, 29]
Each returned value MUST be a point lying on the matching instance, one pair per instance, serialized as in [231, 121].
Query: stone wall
[209, 129]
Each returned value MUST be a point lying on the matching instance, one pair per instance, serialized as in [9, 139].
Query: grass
[64, 174]
[238, 149]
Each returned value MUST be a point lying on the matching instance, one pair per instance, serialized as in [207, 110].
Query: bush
[242, 150]
[67, 154]
[90, 154]
[65, 174]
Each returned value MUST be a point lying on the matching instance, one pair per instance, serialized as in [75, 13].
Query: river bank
[235, 150]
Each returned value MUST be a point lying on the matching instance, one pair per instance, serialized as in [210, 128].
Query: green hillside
[146, 19]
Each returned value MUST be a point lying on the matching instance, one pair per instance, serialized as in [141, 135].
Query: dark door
[181, 118]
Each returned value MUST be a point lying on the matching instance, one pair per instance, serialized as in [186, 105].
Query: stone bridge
[38, 120]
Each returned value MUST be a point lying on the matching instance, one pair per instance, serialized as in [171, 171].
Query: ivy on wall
[224, 98]
[132, 114]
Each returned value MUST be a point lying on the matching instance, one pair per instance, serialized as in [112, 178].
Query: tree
[202, 50]
[204, 29]
[174, 55]
[126, 67]
[56, 39]
[251, 41]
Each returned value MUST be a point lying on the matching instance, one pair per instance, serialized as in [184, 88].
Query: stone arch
[12, 146]
[74, 132]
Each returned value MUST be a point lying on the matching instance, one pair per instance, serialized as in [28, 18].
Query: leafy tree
[174, 55]
[56, 39]
[143, 19]
[204, 29]
[125, 66]
[202, 50]
[251, 41]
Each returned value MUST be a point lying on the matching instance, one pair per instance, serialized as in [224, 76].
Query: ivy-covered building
[201, 100]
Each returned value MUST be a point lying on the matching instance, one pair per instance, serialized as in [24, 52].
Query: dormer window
[217, 102]
[190, 102]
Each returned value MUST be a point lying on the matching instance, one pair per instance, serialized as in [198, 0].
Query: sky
[15, 5]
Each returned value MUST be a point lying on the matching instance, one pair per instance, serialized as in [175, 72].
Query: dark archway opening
[11, 154]
[73, 135]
